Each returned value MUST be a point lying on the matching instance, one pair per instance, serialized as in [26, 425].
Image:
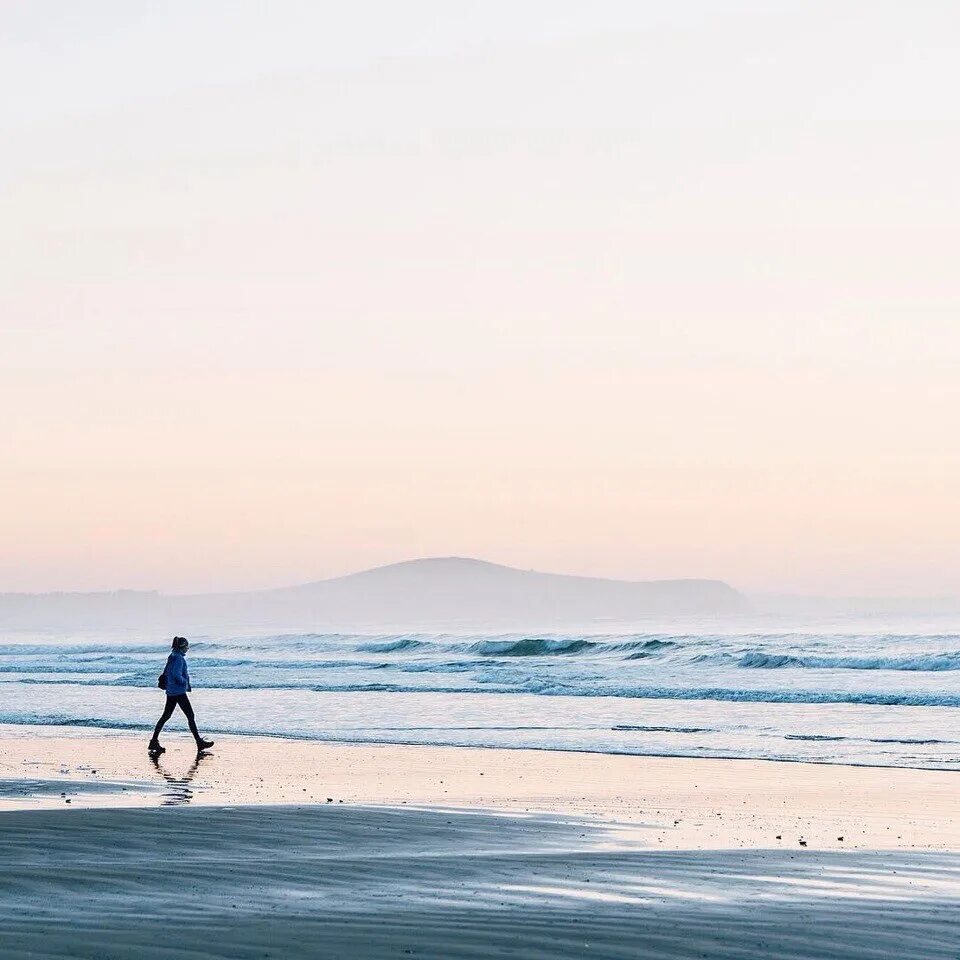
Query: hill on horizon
[428, 593]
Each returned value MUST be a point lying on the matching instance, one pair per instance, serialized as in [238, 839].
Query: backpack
[162, 680]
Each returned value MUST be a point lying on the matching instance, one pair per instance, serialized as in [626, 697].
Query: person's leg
[164, 717]
[184, 702]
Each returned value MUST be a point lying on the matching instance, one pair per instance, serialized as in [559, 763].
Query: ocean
[832, 692]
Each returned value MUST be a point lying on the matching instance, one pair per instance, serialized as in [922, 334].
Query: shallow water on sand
[360, 882]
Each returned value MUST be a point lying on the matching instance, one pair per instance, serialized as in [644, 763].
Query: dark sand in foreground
[447, 852]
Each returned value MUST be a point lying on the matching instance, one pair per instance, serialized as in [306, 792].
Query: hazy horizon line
[764, 595]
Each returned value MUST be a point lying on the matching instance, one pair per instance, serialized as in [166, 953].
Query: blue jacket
[178, 679]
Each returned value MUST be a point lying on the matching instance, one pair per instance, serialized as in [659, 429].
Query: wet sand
[295, 849]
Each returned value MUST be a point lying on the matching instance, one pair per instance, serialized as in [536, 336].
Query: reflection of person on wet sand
[175, 679]
[180, 792]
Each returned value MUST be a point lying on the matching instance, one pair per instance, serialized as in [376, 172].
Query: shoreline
[272, 847]
[73, 729]
[716, 802]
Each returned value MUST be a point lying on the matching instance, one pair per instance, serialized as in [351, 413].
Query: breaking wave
[533, 647]
[933, 663]
[809, 668]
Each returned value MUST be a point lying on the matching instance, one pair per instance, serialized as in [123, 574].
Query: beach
[511, 443]
[286, 848]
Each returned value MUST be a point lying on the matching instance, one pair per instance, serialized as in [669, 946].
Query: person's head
[180, 644]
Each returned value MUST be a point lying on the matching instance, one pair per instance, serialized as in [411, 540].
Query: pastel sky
[629, 289]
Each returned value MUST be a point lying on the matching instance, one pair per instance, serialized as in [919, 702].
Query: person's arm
[180, 670]
[186, 675]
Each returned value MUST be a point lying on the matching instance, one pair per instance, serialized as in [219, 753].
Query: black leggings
[182, 701]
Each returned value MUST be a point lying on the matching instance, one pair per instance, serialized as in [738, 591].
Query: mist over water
[851, 694]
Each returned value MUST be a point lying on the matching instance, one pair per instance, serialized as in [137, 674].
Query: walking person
[176, 681]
